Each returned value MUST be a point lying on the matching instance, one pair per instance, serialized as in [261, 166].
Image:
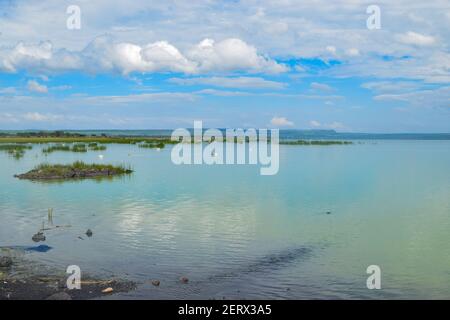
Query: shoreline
[26, 280]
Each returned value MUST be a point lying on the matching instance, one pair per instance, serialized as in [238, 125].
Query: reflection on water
[308, 232]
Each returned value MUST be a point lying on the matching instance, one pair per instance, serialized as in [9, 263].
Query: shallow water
[236, 234]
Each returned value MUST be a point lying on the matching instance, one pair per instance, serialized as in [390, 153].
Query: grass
[77, 147]
[66, 148]
[75, 170]
[15, 150]
[152, 145]
[315, 142]
[97, 148]
[87, 140]
[81, 166]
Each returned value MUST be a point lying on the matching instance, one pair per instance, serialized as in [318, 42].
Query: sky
[110, 64]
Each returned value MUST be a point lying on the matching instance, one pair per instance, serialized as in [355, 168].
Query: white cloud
[104, 55]
[335, 125]
[314, 124]
[430, 98]
[38, 117]
[415, 38]
[231, 55]
[222, 93]
[281, 122]
[390, 86]
[321, 87]
[352, 52]
[331, 49]
[233, 82]
[34, 86]
[8, 90]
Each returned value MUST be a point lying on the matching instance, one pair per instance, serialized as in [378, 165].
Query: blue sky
[286, 64]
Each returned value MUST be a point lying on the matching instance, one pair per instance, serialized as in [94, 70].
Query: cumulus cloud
[281, 122]
[34, 86]
[231, 55]
[105, 55]
[231, 82]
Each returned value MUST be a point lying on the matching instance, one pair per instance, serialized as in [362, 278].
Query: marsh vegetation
[76, 170]
[15, 150]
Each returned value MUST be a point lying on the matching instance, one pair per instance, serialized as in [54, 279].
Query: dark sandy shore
[21, 279]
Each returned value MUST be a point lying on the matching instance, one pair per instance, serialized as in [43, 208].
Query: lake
[310, 231]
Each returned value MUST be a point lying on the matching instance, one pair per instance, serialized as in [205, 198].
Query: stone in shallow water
[156, 283]
[108, 290]
[184, 280]
[5, 262]
[38, 237]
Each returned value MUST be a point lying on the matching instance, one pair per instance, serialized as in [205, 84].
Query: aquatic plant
[66, 148]
[15, 150]
[97, 148]
[152, 145]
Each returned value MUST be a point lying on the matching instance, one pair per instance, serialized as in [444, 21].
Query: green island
[76, 170]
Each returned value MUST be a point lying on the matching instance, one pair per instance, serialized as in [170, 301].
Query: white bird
[100, 156]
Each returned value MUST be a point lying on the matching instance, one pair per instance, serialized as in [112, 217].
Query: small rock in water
[108, 290]
[60, 296]
[89, 233]
[184, 280]
[38, 237]
[5, 262]
[156, 283]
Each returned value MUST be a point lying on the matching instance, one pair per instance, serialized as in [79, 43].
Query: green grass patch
[76, 170]
[17, 151]
[152, 145]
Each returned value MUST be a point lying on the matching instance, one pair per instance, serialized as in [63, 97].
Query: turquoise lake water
[237, 234]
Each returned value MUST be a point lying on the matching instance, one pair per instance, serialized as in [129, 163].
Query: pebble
[108, 290]
[184, 280]
[156, 283]
[5, 262]
[38, 237]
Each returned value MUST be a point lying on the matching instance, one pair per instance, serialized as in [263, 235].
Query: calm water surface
[236, 234]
